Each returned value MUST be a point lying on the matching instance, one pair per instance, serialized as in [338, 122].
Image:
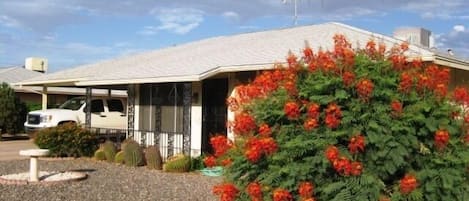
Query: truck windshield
[73, 104]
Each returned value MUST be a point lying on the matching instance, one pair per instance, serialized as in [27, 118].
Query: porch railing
[170, 143]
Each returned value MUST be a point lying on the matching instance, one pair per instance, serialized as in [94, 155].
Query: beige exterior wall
[459, 78]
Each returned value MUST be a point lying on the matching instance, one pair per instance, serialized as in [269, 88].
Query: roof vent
[36, 64]
[415, 35]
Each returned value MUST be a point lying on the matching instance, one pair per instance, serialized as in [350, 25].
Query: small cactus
[109, 150]
[99, 155]
[133, 154]
[178, 163]
[119, 158]
[153, 158]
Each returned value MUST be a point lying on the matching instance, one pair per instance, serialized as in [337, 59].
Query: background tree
[12, 111]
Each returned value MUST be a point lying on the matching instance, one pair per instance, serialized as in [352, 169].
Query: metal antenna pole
[296, 14]
[295, 17]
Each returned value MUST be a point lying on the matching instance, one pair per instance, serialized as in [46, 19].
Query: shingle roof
[201, 59]
[16, 74]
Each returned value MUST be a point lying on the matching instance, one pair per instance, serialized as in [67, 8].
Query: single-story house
[176, 95]
[34, 94]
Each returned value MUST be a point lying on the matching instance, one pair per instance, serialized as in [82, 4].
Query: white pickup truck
[105, 113]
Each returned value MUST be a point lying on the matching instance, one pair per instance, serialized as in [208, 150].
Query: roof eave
[451, 62]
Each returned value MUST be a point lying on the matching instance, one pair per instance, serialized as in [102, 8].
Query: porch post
[130, 110]
[88, 108]
[44, 97]
[186, 122]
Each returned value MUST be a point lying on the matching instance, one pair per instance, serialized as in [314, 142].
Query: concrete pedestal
[34, 154]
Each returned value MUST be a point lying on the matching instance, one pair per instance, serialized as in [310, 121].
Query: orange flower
[356, 144]
[348, 78]
[371, 48]
[332, 153]
[220, 144]
[396, 107]
[232, 104]
[406, 83]
[364, 89]
[343, 166]
[282, 195]
[226, 191]
[244, 123]
[460, 95]
[264, 130]
[269, 146]
[292, 60]
[408, 184]
[313, 111]
[441, 139]
[332, 121]
[310, 124]
[226, 162]
[357, 168]
[292, 110]
[441, 90]
[254, 190]
[305, 190]
[253, 155]
[210, 161]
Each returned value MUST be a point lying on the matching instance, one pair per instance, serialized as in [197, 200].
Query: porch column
[88, 108]
[44, 97]
[130, 110]
[186, 121]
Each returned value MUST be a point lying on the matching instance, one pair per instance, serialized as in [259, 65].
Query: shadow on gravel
[83, 170]
[9, 137]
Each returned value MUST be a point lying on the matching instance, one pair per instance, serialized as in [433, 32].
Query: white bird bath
[33, 165]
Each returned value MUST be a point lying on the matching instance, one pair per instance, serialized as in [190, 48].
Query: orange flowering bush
[347, 124]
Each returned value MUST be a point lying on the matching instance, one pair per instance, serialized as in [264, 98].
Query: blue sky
[74, 32]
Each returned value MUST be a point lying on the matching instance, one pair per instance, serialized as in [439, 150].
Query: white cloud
[148, 31]
[456, 39]
[459, 28]
[231, 16]
[177, 20]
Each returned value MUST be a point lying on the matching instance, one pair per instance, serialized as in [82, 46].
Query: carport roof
[199, 60]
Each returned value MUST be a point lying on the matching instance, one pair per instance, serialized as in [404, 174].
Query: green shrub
[119, 158]
[133, 153]
[99, 155]
[178, 163]
[197, 163]
[68, 140]
[153, 158]
[109, 150]
[346, 125]
[32, 106]
[12, 111]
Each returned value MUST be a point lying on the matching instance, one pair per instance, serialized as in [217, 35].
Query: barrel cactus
[99, 155]
[153, 158]
[178, 163]
[133, 154]
[119, 158]
[109, 150]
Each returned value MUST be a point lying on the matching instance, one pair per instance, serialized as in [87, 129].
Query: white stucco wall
[196, 120]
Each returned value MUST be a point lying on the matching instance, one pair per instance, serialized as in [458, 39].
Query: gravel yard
[107, 181]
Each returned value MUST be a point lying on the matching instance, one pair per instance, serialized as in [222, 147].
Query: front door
[215, 92]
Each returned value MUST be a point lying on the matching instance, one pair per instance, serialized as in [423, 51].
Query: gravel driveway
[107, 181]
